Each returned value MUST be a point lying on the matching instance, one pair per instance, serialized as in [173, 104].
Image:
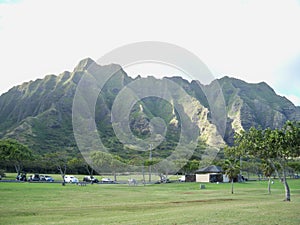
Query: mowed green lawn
[175, 203]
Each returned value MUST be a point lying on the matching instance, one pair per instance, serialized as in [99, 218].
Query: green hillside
[39, 113]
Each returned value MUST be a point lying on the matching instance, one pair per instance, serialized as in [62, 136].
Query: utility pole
[150, 162]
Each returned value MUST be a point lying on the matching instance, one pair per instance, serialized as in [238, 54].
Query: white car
[46, 178]
[181, 179]
[71, 179]
[107, 180]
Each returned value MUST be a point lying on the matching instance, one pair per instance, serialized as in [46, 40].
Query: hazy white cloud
[250, 40]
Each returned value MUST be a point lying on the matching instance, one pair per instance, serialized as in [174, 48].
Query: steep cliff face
[256, 104]
[39, 113]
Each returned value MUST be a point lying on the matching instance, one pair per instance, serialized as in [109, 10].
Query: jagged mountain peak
[45, 106]
[84, 64]
[238, 83]
[89, 64]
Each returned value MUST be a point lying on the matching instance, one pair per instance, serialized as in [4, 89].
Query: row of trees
[274, 148]
[106, 162]
[19, 158]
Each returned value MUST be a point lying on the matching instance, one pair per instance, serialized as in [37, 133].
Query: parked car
[71, 179]
[181, 179]
[21, 177]
[34, 177]
[107, 180]
[91, 179]
[163, 179]
[46, 178]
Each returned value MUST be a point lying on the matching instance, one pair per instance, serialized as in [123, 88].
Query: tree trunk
[63, 180]
[62, 171]
[143, 172]
[231, 186]
[18, 168]
[150, 173]
[115, 176]
[89, 170]
[275, 169]
[287, 189]
[269, 185]
[284, 181]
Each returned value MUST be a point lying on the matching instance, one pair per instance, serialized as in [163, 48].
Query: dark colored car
[21, 177]
[91, 179]
[34, 177]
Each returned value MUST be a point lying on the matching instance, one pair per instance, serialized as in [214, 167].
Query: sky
[250, 40]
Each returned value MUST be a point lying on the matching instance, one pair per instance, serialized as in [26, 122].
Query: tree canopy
[275, 147]
[15, 152]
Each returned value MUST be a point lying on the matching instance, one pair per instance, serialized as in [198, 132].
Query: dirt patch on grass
[205, 201]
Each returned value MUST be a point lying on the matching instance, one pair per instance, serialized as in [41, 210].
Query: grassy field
[175, 203]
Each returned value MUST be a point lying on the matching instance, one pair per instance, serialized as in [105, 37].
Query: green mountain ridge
[39, 113]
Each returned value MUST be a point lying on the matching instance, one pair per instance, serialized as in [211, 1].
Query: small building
[209, 174]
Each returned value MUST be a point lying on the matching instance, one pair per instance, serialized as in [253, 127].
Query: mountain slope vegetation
[39, 113]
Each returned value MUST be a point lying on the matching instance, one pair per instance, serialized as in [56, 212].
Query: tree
[163, 168]
[138, 161]
[101, 160]
[79, 164]
[295, 166]
[251, 166]
[15, 152]
[275, 147]
[106, 162]
[181, 163]
[115, 164]
[149, 163]
[232, 169]
[191, 166]
[268, 170]
[60, 161]
[287, 142]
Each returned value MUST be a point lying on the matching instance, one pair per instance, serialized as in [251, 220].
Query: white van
[71, 179]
